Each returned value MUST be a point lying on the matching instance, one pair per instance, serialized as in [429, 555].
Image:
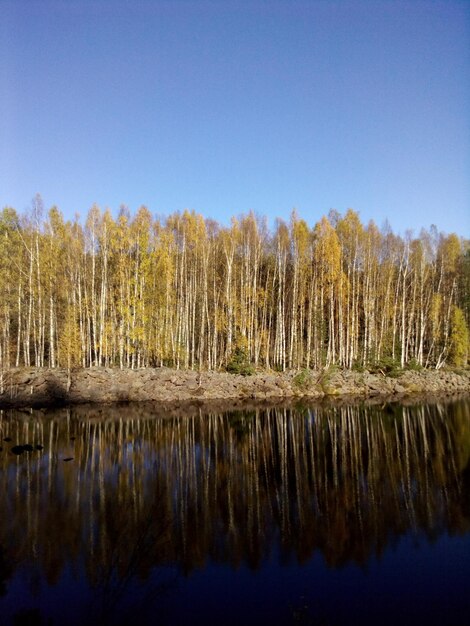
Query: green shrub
[302, 379]
[387, 365]
[239, 363]
[414, 366]
[357, 367]
[326, 377]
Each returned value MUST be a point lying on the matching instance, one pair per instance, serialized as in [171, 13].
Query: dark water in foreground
[320, 515]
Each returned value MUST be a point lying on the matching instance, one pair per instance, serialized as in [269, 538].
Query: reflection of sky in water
[329, 515]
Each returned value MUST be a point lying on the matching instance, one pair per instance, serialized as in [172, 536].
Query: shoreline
[43, 387]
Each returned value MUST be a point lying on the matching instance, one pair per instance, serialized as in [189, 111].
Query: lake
[300, 514]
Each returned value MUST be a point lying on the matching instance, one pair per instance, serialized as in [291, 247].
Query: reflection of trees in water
[142, 491]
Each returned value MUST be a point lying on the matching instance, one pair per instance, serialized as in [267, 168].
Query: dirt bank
[46, 387]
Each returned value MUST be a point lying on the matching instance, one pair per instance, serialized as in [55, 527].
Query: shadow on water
[144, 502]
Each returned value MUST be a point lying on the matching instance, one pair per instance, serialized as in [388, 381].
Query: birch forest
[186, 292]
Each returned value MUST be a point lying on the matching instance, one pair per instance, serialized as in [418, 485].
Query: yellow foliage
[70, 351]
[327, 254]
[435, 314]
[459, 337]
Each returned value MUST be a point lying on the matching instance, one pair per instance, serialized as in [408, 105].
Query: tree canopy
[184, 291]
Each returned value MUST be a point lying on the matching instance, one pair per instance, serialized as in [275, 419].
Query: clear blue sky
[223, 107]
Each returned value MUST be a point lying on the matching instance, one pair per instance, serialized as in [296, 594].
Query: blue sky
[227, 107]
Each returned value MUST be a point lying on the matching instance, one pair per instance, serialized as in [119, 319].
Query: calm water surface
[300, 515]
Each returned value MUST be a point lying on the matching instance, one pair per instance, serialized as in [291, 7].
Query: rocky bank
[49, 387]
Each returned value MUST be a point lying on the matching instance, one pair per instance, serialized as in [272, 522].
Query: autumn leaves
[189, 293]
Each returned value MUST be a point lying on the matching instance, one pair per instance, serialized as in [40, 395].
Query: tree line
[186, 292]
